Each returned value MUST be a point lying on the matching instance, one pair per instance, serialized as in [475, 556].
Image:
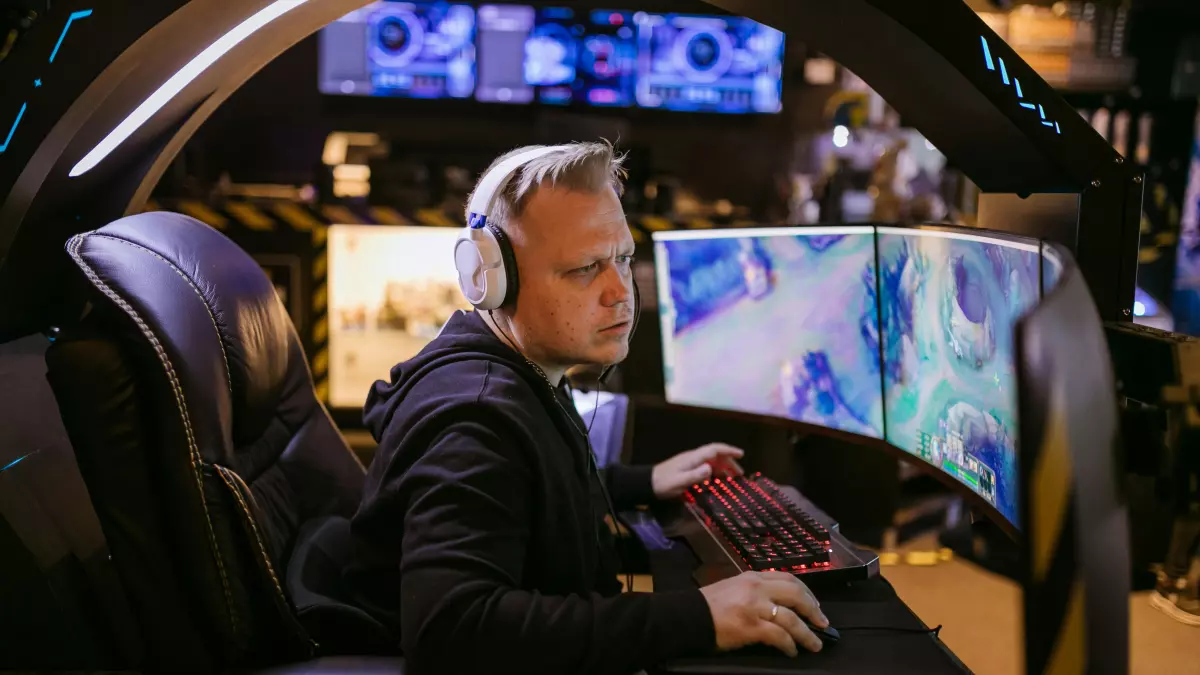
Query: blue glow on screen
[422, 50]
[708, 63]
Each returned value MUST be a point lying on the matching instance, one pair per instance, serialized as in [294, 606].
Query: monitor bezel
[972, 498]
[965, 232]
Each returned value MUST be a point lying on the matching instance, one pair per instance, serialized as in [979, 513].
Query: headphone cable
[612, 511]
[935, 631]
[587, 439]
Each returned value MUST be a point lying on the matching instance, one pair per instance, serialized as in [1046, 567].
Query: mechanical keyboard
[758, 526]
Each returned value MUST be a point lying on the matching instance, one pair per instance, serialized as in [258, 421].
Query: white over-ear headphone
[483, 256]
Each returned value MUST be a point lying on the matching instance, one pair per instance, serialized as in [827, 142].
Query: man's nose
[617, 287]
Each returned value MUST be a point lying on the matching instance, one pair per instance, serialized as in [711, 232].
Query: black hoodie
[477, 543]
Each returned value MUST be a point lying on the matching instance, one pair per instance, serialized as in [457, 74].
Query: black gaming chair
[209, 460]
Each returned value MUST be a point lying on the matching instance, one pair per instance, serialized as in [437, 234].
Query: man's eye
[625, 259]
[585, 270]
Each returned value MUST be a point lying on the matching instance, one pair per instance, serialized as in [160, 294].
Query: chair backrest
[190, 406]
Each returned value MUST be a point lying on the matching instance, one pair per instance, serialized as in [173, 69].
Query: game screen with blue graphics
[556, 55]
[708, 63]
[586, 57]
[949, 302]
[420, 50]
[774, 322]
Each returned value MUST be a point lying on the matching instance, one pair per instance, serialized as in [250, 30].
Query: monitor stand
[981, 542]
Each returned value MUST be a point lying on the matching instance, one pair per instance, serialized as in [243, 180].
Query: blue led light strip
[82, 14]
[13, 463]
[13, 128]
[991, 65]
[987, 53]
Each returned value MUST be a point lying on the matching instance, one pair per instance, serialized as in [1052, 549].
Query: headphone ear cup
[508, 259]
[481, 274]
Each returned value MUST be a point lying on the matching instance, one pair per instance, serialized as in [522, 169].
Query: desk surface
[852, 609]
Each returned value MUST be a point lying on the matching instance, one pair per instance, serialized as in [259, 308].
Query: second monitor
[773, 322]
[556, 55]
[949, 303]
[899, 334]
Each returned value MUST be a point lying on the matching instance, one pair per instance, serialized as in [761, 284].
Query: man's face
[575, 302]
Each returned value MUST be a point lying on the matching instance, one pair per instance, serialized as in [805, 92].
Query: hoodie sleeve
[629, 486]
[462, 611]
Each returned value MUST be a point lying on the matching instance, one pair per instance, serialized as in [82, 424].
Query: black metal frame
[925, 58]
[1076, 576]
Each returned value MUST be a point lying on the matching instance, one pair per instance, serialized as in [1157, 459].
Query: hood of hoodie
[465, 337]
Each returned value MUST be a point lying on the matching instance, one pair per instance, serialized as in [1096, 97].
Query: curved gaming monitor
[743, 329]
[904, 335]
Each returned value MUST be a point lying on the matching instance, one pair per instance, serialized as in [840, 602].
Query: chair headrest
[211, 314]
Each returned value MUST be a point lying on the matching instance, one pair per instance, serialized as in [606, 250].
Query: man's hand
[671, 477]
[742, 608]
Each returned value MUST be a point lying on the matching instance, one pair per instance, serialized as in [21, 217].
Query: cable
[608, 502]
[587, 438]
[935, 631]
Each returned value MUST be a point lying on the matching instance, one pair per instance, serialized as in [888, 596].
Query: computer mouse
[828, 635]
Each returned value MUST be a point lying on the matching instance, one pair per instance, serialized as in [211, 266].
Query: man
[477, 542]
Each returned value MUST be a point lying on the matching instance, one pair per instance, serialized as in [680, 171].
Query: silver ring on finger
[774, 611]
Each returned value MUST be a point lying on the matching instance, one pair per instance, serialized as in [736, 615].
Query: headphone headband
[483, 200]
[487, 269]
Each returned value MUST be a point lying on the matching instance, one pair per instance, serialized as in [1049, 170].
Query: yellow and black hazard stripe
[437, 218]
[202, 212]
[270, 227]
[297, 216]
[260, 226]
[319, 317]
[386, 215]
[250, 216]
[337, 214]
[1055, 601]
[269, 215]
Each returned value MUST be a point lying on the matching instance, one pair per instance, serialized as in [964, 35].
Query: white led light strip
[181, 79]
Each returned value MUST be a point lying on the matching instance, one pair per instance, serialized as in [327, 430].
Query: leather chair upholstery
[190, 406]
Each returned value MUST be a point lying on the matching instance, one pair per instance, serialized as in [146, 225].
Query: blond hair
[580, 166]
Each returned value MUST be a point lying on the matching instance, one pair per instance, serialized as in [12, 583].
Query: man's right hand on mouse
[764, 607]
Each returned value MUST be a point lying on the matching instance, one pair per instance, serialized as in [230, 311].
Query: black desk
[871, 603]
